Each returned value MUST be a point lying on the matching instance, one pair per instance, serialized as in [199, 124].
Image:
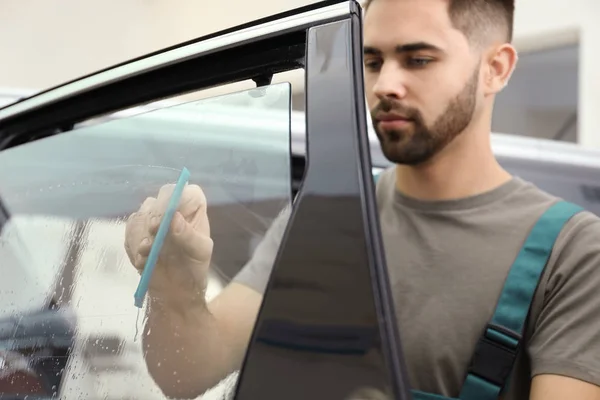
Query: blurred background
[555, 92]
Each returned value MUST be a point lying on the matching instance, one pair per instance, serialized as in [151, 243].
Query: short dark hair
[475, 17]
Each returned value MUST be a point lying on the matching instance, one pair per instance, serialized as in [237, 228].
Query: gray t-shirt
[448, 261]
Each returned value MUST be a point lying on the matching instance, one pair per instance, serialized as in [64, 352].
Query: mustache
[390, 105]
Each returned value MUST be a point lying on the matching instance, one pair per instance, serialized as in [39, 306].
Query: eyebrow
[405, 48]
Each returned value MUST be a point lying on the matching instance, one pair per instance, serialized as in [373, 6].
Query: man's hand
[556, 387]
[179, 279]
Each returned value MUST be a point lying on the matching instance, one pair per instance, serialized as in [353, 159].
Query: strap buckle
[495, 354]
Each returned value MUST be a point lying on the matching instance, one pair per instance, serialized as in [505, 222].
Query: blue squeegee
[163, 229]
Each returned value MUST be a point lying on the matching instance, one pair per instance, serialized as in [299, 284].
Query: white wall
[589, 71]
[538, 22]
[546, 23]
[46, 42]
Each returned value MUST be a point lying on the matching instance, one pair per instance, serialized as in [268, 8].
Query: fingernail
[145, 242]
[153, 221]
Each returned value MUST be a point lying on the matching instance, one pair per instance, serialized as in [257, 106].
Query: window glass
[67, 283]
[541, 99]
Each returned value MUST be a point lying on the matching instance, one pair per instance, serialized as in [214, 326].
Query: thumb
[194, 244]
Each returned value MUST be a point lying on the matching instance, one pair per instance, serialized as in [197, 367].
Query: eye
[418, 62]
[373, 65]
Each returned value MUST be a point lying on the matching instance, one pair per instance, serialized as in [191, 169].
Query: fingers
[192, 206]
[194, 244]
[195, 210]
[189, 233]
[154, 220]
[145, 246]
[192, 200]
[147, 205]
[139, 262]
[136, 230]
[183, 245]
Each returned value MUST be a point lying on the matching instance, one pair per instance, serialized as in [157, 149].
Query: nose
[390, 82]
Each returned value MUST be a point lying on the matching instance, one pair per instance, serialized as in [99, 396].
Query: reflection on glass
[67, 317]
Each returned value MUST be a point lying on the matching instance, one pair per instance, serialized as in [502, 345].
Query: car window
[62, 252]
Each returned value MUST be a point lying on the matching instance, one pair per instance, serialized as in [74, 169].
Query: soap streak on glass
[137, 325]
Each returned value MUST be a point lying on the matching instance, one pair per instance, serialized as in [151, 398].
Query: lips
[391, 117]
[392, 121]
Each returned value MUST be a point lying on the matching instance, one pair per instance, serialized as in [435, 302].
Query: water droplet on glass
[137, 325]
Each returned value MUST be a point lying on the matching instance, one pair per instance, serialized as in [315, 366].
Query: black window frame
[335, 207]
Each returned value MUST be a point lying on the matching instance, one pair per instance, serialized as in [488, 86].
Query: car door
[77, 159]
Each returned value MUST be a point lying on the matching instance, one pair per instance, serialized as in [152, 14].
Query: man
[452, 220]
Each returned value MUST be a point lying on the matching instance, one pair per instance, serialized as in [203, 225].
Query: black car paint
[330, 251]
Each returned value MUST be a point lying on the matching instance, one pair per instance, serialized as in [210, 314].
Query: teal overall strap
[497, 349]
[418, 395]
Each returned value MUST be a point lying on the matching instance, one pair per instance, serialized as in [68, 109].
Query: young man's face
[421, 76]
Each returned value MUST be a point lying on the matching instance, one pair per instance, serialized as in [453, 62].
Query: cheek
[432, 104]
[432, 93]
[369, 91]
[371, 100]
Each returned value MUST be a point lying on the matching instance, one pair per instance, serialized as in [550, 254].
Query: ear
[501, 61]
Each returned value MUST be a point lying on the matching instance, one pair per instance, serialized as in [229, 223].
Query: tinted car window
[66, 278]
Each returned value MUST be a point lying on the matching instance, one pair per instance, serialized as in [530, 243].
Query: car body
[77, 159]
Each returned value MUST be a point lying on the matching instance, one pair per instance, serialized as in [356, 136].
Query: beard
[418, 143]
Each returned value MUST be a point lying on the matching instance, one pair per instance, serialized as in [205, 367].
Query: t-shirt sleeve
[255, 274]
[566, 336]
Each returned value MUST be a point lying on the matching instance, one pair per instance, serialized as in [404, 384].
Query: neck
[466, 167]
